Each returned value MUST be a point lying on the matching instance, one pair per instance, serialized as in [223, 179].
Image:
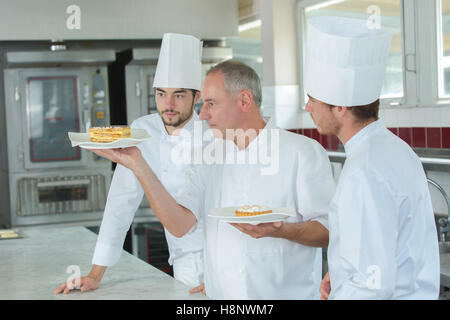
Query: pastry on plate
[254, 210]
[109, 134]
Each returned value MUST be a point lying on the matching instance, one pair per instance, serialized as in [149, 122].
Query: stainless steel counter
[432, 159]
[34, 266]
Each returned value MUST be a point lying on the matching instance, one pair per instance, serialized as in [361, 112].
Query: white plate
[82, 140]
[228, 215]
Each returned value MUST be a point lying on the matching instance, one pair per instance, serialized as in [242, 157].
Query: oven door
[51, 105]
[139, 91]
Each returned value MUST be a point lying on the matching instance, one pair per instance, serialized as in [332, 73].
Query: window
[418, 70]
[444, 49]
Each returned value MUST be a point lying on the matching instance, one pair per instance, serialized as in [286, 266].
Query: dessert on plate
[109, 134]
[252, 210]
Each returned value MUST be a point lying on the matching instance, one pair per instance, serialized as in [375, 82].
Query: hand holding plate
[260, 230]
[129, 157]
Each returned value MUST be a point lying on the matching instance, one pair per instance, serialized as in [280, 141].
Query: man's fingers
[237, 226]
[323, 292]
[60, 289]
[83, 284]
[325, 287]
[200, 288]
[195, 290]
[84, 288]
[110, 154]
[277, 224]
[105, 153]
[244, 227]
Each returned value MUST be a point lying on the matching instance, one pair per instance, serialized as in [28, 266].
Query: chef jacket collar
[357, 140]
[261, 140]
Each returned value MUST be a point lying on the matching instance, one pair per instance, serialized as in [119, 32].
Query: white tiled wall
[416, 117]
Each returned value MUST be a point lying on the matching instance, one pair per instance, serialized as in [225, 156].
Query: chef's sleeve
[124, 198]
[315, 184]
[367, 222]
[191, 195]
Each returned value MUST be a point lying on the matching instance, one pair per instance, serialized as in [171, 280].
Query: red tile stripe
[417, 137]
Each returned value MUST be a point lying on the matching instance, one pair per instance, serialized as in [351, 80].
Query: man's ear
[197, 96]
[245, 100]
[341, 111]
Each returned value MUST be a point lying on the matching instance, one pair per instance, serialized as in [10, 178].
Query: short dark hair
[366, 112]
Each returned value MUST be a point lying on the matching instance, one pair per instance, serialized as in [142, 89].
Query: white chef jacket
[383, 241]
[125, 196]
[238, 266]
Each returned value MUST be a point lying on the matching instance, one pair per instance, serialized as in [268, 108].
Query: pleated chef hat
[179, 63]
[345, 61]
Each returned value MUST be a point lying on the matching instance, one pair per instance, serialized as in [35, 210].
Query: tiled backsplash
[417, 137]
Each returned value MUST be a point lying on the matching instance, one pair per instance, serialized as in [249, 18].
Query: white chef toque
[345, 61]
[179, 63]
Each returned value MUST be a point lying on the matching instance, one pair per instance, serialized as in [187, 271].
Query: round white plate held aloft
[82, 140]
[228, 214]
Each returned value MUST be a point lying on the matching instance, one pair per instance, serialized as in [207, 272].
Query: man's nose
[308, 106]
[169, 102]
[204, 115]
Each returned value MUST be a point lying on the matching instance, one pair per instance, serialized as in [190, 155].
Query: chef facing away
[383, 240]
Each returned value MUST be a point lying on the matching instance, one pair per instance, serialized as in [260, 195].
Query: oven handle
[63, 183]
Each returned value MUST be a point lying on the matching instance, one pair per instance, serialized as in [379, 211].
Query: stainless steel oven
[46, 95]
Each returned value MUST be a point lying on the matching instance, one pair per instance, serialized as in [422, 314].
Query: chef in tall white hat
[177, 83]
[382, 235]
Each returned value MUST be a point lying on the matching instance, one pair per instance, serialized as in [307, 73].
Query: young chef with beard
[383, 241]
[286, 264]
[177, 83]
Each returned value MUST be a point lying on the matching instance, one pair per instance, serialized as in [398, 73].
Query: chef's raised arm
[177, 219]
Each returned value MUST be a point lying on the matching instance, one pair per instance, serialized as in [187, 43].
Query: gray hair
[239, 76]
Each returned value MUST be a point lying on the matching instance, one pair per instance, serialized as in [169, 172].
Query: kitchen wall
[115, 19]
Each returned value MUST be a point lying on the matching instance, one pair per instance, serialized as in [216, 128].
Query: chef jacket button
[241, 271]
